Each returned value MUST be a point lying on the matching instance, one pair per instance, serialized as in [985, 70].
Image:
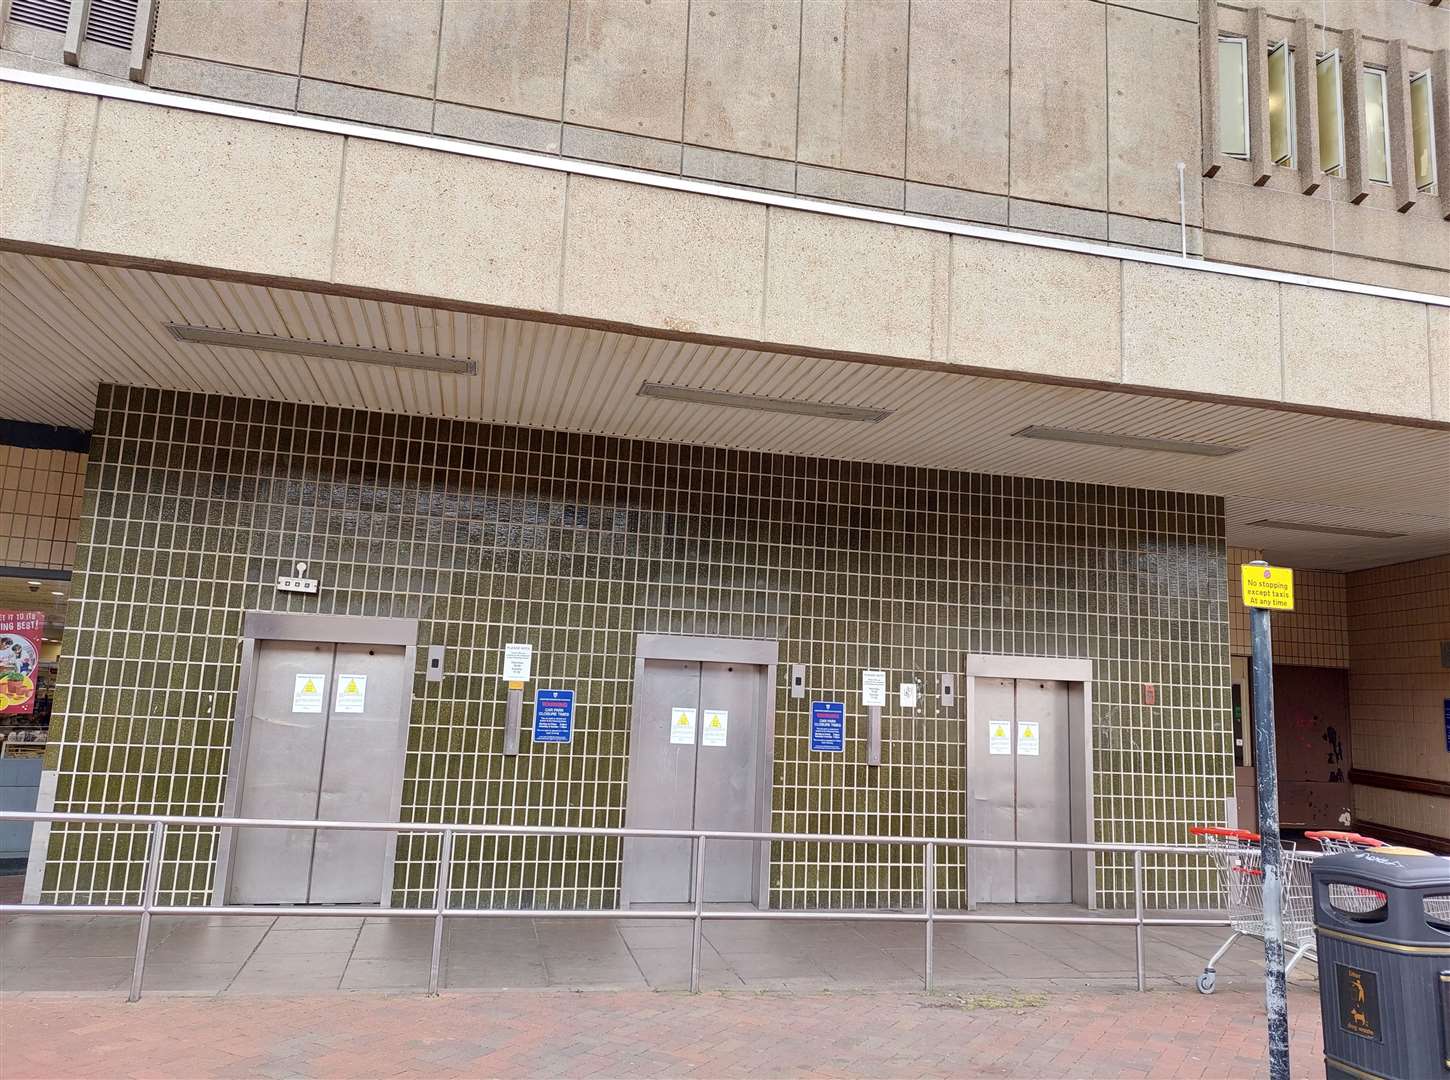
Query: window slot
[1376, 125]
[1281, 104]
[1331, 113]
[1233, 97]
[1422, 126]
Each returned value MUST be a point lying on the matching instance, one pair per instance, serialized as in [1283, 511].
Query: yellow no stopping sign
[1268, 587]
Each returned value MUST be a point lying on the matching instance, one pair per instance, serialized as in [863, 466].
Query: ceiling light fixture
[357, 354]
[730, 400]
[1126, 442]
[1332, 530]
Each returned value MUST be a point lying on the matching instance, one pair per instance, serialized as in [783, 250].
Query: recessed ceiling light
[731, 400]
[57, 594]
[33, 584]
[269, 343]
[1332, 530]
[1126, 442]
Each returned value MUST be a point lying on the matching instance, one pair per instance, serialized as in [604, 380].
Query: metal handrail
[929, 915]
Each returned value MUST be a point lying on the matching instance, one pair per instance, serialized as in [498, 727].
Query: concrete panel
[259, 33]
[1152, 115]
[952, 203]
[367, 106]
[417, 221]
[504, 129]
[382, 46]
[1246, 251]
[627, 66]
[505, 56]
[853, 85]
[730, 168]
[956, 117]
[616, 148]
[1287, 216]
[1034, 309]
[1061, 220]
[205, 189]
[1160, 235]
[666, 259]
[45, 146]
[1440, 362]
[1393, 275]
[851, 187]
[1059, 103]
[211, 79]
[1327, 335]
[1230, 344]
[856, 285]
[743, 77]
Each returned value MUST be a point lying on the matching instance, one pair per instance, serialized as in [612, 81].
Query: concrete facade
[467, 221]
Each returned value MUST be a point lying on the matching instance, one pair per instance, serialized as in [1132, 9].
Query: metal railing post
[930, 882]
[697, 929]
[149, 883]
[445, 871]
[1138, 914]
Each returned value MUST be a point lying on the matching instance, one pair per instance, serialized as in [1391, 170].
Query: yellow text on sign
[1269, 587]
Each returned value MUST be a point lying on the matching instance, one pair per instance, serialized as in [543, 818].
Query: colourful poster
[20, 633]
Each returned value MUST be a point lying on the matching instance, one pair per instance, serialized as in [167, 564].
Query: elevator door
[324, 742]
[706, 780]
[1021, 790]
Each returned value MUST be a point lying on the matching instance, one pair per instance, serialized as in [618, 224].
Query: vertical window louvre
[1281, 104]
[46, 14]
[1376, 125]
[1233, 97]
[1423, 126]
[1331, 114]
[111, 22]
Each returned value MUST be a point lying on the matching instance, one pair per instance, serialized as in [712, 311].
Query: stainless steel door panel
[1044, 785]
[280, 776]
[359, 770]
[661, 792]
[993, 814]
[727, 778]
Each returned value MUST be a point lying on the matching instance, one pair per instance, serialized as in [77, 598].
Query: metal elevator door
[1021, 790]
[706, 779]
[324, 742]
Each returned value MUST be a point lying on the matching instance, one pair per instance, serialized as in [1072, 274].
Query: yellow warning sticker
[682, 726]
[717, 727]
[352, 693]
[1268, 587]
[999, 738]
[307, 693]
[1028, 739]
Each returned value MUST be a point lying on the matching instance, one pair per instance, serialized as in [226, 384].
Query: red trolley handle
[1217, 830]
[1345, 837]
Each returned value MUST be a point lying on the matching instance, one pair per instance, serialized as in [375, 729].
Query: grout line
[243, 966]
[337, 211]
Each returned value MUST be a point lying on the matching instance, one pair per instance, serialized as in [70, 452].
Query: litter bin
[1382, 923]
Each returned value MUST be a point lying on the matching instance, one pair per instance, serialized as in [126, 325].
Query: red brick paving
[1164, 1033]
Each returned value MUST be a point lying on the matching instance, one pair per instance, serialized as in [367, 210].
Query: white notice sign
[999, 737]
[1028, 736]
[307, 693]
[517, 659]
[717, 724]
[352, 693]
[873, 688]
[682, 726]
[908, 695]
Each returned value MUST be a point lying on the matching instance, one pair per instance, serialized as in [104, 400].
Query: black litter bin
[1382, 923]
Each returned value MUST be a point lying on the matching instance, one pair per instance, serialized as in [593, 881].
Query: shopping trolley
[1239, 858]
[1358, 900]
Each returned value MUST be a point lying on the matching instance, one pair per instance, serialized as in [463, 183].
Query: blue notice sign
[828, 727]
[554, 716]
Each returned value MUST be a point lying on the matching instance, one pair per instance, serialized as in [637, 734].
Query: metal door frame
[713, 650]
[1078, 675]
[327, 629]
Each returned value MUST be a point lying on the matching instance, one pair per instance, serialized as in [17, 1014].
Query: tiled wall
[40, 506]
[1398, 686]
[578, 544]
[1314, 634]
